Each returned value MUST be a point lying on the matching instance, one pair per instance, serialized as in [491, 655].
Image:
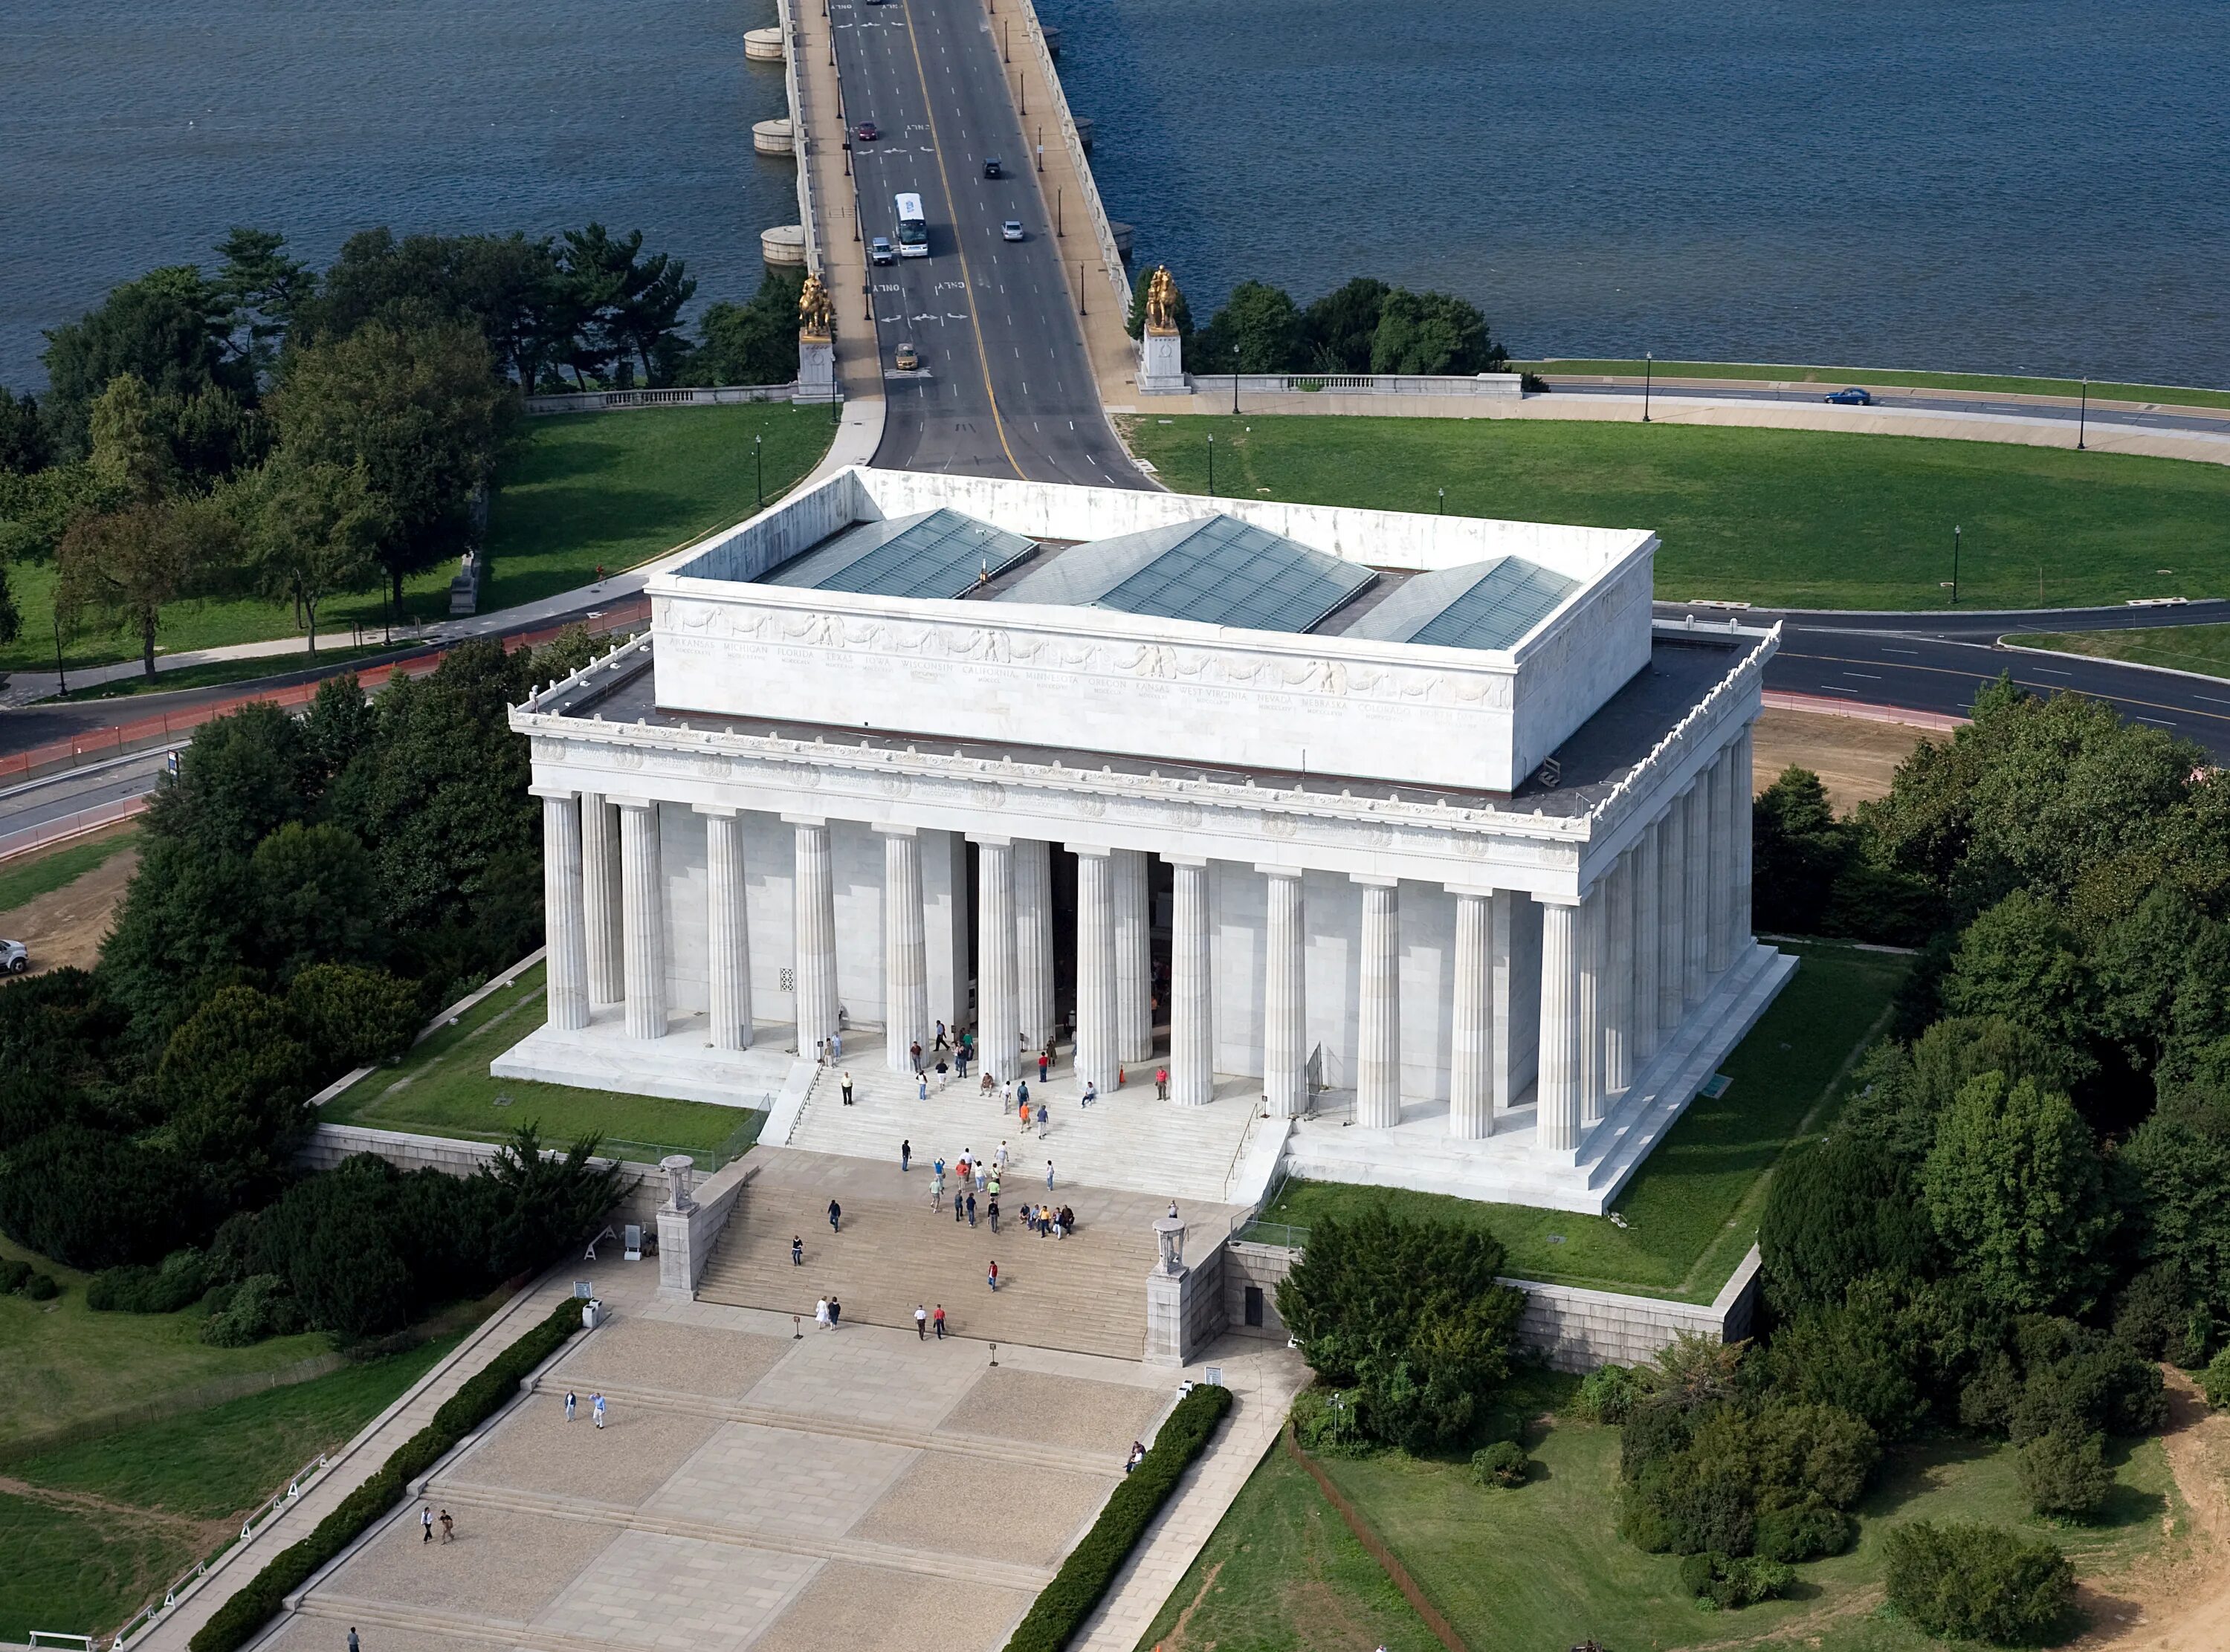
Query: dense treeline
[268, 429]
[1364, 326]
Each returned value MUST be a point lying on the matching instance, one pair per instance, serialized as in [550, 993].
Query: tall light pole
[61, 678]
[1211, 465]
[758, 463]
[2082, 414]
[1648, 374]
[1234, 381]
[1955, 568]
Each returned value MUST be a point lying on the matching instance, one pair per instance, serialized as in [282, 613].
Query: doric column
[905, 959]
[998, 1007]
[1588, 1006]
[1745, 796]
[1097, 1016]
[1647, 937]
[1696, 891]
[563, 916]
[728, 929]
[1557, 1090]
[1134, 959]
[1284, 1080]
[643, 900]
[1378, 1054]
[1617, 989]
[1034, 939]
[1513, 955]
[1471, 1090]
[814, 890]
[1192, 998]
[600, 875]
[1719, 866]
[1671, 917]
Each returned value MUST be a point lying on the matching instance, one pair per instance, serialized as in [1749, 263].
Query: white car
[1012, 229]
[15, 957]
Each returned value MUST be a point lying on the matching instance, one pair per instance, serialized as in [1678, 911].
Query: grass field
[2183, 648]
[1787, 517]
[94, 1530]
[1690, 1213]
[442, 1088]
[212, 673]
[1982, 383]
[590, 488]
[32, 875]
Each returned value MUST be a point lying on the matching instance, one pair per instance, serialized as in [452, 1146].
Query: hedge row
[1060, 1611]
[240, 1617]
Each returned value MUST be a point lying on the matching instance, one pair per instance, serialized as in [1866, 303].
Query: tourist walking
[797, 1250]
[920, 1088]
[992, 1278]
[836, 1312]
[835, 1217]
[1007, 1097]
[597, 1409]
[906, 1154]
[939, 1321]
[821, 1313]
[353, 1644]
[983, 1175]
[571, 1400]
[960, 1203]
[837, 1044]
[940, 1036]
[921, 1321]
[1002, 1160]
[991, 1210]
[937, 1191]
[1045, 1116]
[960, 1061]
[847, 1087]
[913, 1050]
[1025, 1118]
[1022, 1091]
[448, 1527]
[426, 1524]
[943, 1074]
[1048, 1175]
[972, 1210]
[1160, 1084]
[1045, 1061]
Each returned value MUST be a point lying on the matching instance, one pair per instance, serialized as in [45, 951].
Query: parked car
[1012, 229]
[15, 957]
[1853, 398]
[992, 168]
[867, 132]
[908, 359]
[880, 251]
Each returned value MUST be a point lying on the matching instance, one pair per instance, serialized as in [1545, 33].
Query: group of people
[595, 1406]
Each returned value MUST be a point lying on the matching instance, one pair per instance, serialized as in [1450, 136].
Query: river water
[2004, 184]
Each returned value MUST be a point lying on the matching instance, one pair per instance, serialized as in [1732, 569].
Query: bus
[913, 228]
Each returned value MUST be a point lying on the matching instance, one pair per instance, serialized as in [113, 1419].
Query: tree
[1902, 1091]
[93, 1198]
[261, 288]
[1835, 1213]
[313, 529]
[543, 1202]
[127, 566]
[1433, 333]
[130, 459]
[423, 413]
[25, 445]
[1984, 1582]
[1799, 849]
[2019, 963]
[318, 900]
[168, 329]
[754, 343]
[1260, 322]
[2170, 1175]
[2065, 1473]
[231, 1086]
[2014, 1189]
[348, 1016]
[634, 303]
[1339, 328]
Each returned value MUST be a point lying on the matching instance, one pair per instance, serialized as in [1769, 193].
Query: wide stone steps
[360, 1612]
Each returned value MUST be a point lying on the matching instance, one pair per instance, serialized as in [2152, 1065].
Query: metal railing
[1502, 386]
[699, 395]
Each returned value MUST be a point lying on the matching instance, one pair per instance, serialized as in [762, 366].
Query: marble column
[1285, 1080]
[564, 913]
[728, 929]
[1587, 1006]
[1696, 891]
[1378, 1044]
[1098, 1012]
[1134, 959]
[998, 1006]
[1648, 945]
[1192, 995]
[1034, 939]
[642, 899]
[1557, 1091]
[600, 872]
[1719, 867]
[1514, 957]
[905, 956]
[1671, 917]
[1617, 989]
[814, 906]
[1744, 797]
[1471, 1090]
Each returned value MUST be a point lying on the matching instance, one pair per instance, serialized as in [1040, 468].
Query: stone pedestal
[690, 1222]
[1161, 363]
[816, 368]
[1184, 1306]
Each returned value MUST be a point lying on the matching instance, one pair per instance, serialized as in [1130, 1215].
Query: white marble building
[1408, 844]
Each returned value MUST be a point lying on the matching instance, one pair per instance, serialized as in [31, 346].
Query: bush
[2215, 1381]
[1606, 1395]
[2157, 1318]
[179, 1283]
[1326, 1430]
[1711, 1487]
[350, 1016]
[1060, 1610]
[1722, 1582]
[258, 1306]
[2065, 1473]
[1969, 1582]
[1809, 1532]
[90, 1199]
[236, 1622]
[41, 1288]
[1502, 1464]
[14, 1276]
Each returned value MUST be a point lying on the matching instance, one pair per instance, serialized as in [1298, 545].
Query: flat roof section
[1216, 571]
[940, 553]
[1481, 605]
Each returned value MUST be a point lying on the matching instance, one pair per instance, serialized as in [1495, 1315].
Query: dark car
[992, 169]
[1853, 398]
[867, 132]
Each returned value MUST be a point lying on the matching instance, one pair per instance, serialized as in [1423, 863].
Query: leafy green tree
[2014, 1189]
[231, 1085]
[167, 329]
[1899, 1091]
[340, 724]
[1433, 333]
[2019, 963]
[313, 529]
[1835, 1213]
[2170, 1175]
[129, 456]
[1259, 328]
[754, 343]
[543, 1201]
[25, 443]
[349, 1016]
[1978, 1582]
[1338, 330]
[261, 288]
[37, 510]
[318, 900]
[633, 302]
[93, 1198]
[125, 568]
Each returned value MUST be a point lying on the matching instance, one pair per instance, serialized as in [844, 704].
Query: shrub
[42, 1288]
[1502, 1464]
[1060, 1608]
[2156, 1316]
[2065, 1473]
[1984, 1582]
[90, 1199]
[1808, 1531]
[1606, 1395]
[179, 1283]
[1834, 1213]
[1325, 1428]
[260, 1306]
[351, 1016]
[1721, 1582]
[1710, 1491]
[14, 1276]
[2215, 1381]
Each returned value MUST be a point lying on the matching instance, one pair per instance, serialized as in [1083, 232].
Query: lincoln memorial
[1410, 846]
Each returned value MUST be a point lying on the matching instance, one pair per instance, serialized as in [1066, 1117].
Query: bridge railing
[1110, 257]
[1491, 385]
[696, 397]
[801, 130]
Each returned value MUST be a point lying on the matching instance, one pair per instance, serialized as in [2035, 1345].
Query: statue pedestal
[1161, 363]
[816, 369]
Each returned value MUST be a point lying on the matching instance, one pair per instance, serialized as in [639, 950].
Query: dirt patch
[1853, 757]
[64, 928]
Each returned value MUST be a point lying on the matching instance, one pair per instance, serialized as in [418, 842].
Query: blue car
[1853, 398]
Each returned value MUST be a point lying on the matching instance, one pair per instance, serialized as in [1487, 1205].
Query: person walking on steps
[797, 1250]
[1001, 1159]
[960, 1203]
[821, 1312]
[597, 1409]
[835, 1217]
[914, 1050]
[939, 1321]
[920, 1087]
[847, 1087]
[426, 1524]
[1045, 1061]
[991, 1210]
[921, 1321]
[1045, 1117]
[448, 1527]
[905, 1155]
[972, 1210]
[353, 1644]
[1160, 1084]
[836, 1312]
[992, 1279]
[941, 1042]
[571, 1400]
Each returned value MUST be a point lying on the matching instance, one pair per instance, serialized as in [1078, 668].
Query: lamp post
[1444, 502]
[61, 678]
[2083, 415]
[758, 463]
[1955, 568]
[1211, 466]
[1234, 381]
[1648, 377]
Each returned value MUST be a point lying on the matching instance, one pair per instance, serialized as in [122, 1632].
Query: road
[1005, 387]
[2155, 417]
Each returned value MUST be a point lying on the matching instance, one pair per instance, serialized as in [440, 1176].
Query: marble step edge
[329, 1607]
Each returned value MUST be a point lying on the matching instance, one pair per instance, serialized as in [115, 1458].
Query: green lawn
[1690, 1213]
[442, 1088]
[1875, 378]
[588, 488]
[1794, 518]
[32, 875]
[2184, 648]
[212, 673]
[78, 1570]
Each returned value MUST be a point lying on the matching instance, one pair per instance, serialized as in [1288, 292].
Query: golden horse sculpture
[1162, 299]
[816, 315]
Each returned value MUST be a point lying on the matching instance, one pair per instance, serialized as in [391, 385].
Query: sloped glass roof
[1479, 605]
[1217, 570]
[937, 553]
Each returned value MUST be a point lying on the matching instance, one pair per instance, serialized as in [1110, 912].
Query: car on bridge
[880, 251]
[993, 168]
[907, 359]
[867, 132]
[1853, 398]
[1012, 229]
[15, 957]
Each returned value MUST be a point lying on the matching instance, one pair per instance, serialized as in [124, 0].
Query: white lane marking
[2046, 671]
[1866, 676]
[2210, 699]
[2158, 722]
[1915, 652]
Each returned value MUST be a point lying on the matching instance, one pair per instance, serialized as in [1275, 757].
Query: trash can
[592, 1315]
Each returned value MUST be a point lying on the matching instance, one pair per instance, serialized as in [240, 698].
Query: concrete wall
[329, 1144]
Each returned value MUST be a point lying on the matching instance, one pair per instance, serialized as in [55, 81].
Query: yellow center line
[975, 325]
[1983, 677]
